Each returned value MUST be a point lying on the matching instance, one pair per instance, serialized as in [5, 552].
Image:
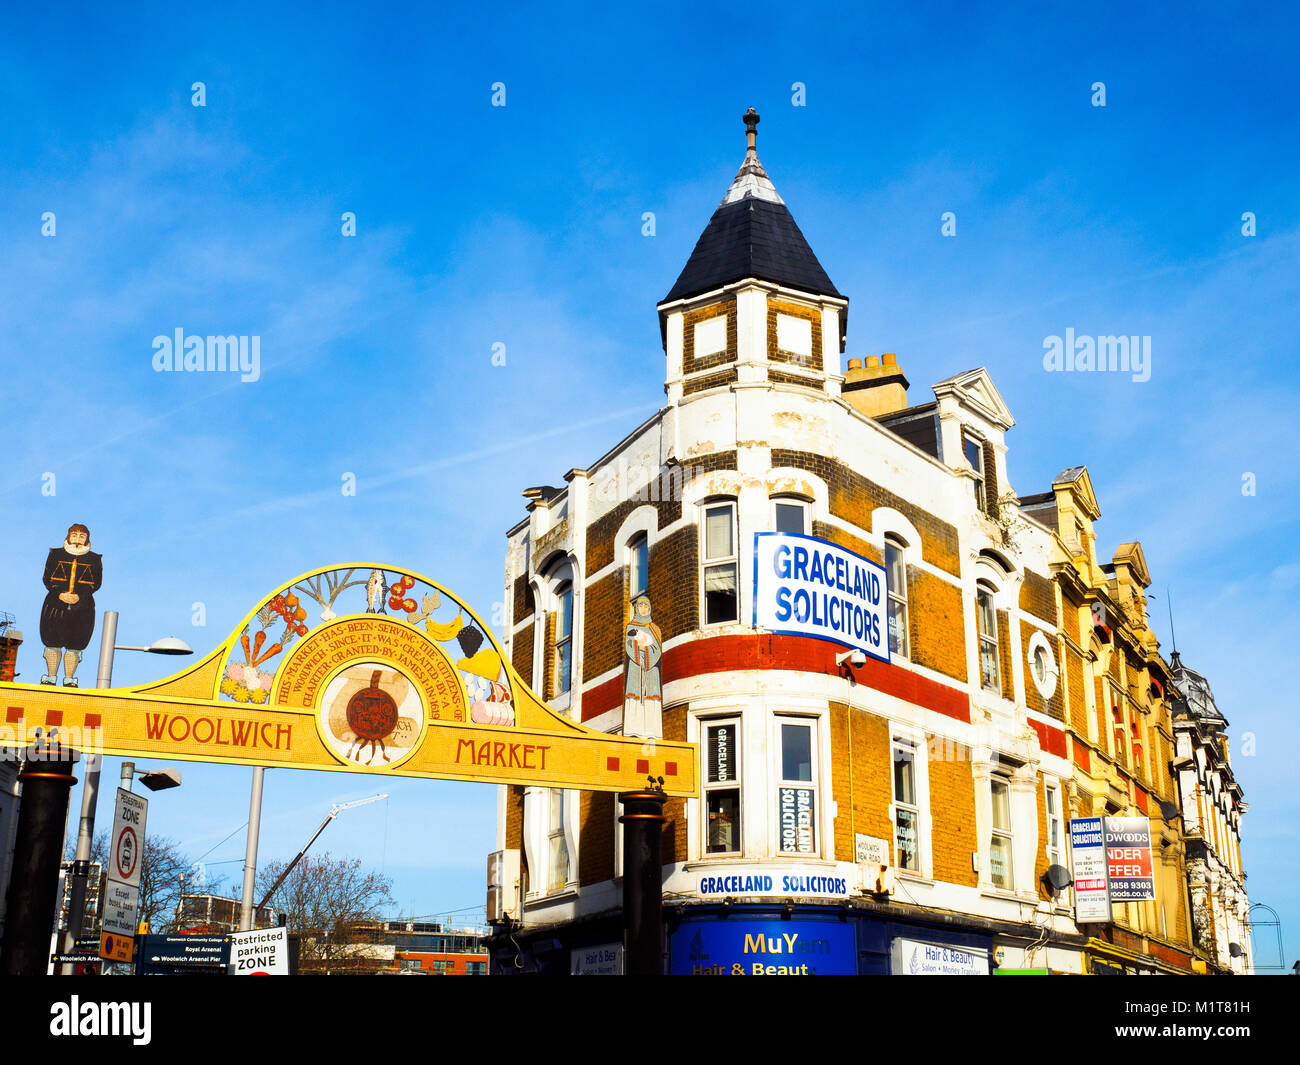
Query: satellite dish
[1168, 810]
[1058, 878]
[1234, 950]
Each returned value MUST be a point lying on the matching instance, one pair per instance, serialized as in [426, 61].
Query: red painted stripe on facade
[1051, 740]
[1141, 799]
[1081, 757]
[721, 654]
[604, 696]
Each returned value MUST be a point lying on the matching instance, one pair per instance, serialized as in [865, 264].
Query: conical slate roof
[752, 234]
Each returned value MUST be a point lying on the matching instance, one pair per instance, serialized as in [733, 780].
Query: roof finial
[751, 130]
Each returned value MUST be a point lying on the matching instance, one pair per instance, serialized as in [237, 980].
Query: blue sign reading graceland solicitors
[811, 587]
[735, 946]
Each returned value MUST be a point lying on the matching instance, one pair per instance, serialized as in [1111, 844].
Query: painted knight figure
[73, 574]
[642, 692]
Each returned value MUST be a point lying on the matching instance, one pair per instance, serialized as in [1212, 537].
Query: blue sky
[521, 225]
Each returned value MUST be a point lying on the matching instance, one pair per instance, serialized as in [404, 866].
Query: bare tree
[161, 867]
[98, 849]
[323, 899]
[161, 870]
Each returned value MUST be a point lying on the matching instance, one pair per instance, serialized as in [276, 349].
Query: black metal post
[643, 912]
[38, 848]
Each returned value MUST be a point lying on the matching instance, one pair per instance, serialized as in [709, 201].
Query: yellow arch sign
[402, 679]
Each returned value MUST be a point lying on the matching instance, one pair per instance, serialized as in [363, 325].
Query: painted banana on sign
[423, 691]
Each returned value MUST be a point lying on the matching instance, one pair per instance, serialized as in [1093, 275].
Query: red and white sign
[127, 844]
[264, 952]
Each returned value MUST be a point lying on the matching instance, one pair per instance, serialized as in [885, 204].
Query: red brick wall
[853, 498]
[605, 610]
[8, 657]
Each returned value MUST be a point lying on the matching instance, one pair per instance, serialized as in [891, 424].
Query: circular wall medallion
[1042, 665]
[372, 715]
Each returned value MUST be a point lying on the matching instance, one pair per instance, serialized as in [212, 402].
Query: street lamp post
[90, 790]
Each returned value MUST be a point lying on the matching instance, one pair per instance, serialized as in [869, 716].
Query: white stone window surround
[902, 733]
[560, 569]
[703, 723]
[717, 562]
[1022, 798]
[994, 573]
[536, 840]
[823, 821]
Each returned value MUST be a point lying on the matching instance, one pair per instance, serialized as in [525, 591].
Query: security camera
[854, 658]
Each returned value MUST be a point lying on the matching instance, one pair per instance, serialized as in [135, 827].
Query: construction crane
[335, 810]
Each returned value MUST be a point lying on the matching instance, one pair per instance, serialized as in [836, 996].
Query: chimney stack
[876, 388]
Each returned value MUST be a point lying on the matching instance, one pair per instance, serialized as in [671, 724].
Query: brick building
[929, 787]
[1212, 806]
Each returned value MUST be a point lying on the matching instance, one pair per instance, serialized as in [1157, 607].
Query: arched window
[896, 571]
[563, 638]
[986, 619]
[638, 555]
